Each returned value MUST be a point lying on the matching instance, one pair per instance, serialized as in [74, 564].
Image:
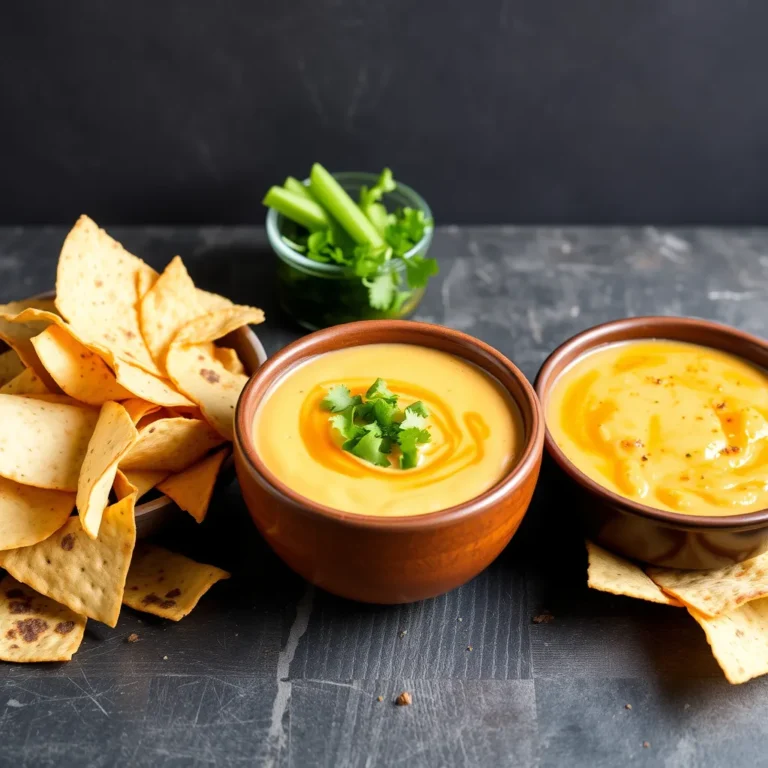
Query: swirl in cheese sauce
[475, 426]
[672, 425]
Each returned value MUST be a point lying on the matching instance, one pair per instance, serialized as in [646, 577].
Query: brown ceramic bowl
[636, 530]
[387, 560]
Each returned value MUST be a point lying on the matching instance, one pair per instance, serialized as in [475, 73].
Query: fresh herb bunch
[362, 237]
[373, 425]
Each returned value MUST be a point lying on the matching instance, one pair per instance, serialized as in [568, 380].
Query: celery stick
[340, 205]
[295, 186]
[301, 210]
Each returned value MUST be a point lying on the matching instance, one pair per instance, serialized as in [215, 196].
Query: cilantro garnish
[373, 425]
[364, 237]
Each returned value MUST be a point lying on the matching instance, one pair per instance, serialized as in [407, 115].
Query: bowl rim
[304, 348]
[643, 327]
[288, 255]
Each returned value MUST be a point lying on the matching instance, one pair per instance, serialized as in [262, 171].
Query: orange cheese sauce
[476, 430]
[672, 425]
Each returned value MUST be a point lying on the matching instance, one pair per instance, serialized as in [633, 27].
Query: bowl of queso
[663, 424]
[388, 461]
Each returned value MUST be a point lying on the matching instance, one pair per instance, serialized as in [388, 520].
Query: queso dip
[672, 425]
[476, 431]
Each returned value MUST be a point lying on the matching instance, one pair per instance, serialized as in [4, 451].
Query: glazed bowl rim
[603, 334]
[304, 347]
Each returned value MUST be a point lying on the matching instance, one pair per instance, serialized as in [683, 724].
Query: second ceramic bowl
[636, 530]
[396, 559]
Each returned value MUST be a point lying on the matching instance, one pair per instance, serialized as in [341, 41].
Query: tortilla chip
[29, 515]
[10, 366]
[613, 574]
[18, 335]
[26, 383]
[43, 444]
[719, 591]
[151, 418]
[146, 386]
[138, 481]
[35, 628]
[138, 382]
[14, 307]
[210, 302]
[192, 489]
[739, 640]
[229, 359]
[81, 373]
[113, 436]
[171, 445]
[87, 575]
[199, 375]
[139, 408]
[97, 292]
[169, 305]
[166, 584]
[51, 398]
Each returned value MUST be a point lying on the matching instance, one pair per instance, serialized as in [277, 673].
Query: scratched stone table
[269, 671]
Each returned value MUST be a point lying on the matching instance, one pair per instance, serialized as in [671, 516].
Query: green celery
[296, 208]
[295, 186]
[342, 207]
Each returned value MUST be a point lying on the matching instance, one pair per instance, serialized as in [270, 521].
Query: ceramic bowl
[395, 559]
[636, 530]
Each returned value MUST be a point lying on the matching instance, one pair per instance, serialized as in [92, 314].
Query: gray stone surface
[269, 671]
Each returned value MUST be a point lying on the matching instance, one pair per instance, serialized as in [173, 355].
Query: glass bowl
[319, 295]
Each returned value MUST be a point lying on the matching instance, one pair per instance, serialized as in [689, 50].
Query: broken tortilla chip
[43, 444]
[610, 573]
[29, 515]
[138, 481]
[113, 435]
[192, 489]
[35, 628]
[171, 445]
[719, 591]
[81, 373]
[167, 306]
[97, 292]
[10, 366]
[26, 383]
[199, 375]
[739, 640]
[87, 575]
[166, 584]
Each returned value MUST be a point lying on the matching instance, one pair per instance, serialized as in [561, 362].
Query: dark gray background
[497, 110]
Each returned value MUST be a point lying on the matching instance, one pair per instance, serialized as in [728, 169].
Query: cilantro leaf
[419, 270]
[409, 440]
[339, 398]
[321, 246]
[381, 291]
[379, 389]
[412, 420]
[418, 408]
[344, 422]
[369, 447]
[384, 412]
[385, 183]
[406, 228]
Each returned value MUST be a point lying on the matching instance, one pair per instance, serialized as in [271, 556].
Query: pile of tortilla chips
[113, 389]
[730, 604]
